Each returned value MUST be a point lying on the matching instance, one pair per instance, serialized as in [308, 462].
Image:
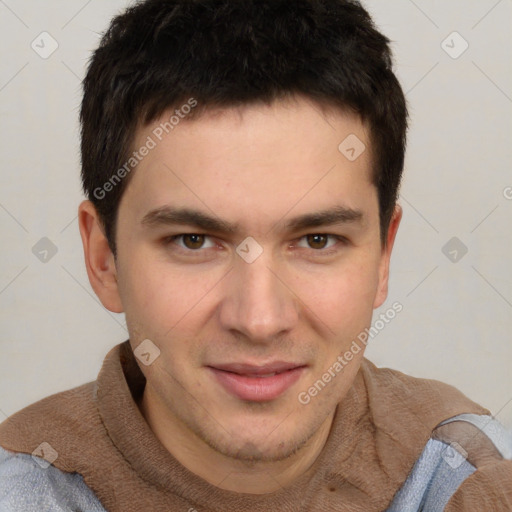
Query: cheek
[341, 296]
[144, 291]
[162, 298]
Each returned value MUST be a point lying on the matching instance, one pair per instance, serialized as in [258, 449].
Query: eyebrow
[168, 215]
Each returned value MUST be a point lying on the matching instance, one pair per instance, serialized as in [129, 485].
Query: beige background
[456, 322]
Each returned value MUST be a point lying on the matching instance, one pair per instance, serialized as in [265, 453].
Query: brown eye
[317, 241]
[189, 244]
[193, 241]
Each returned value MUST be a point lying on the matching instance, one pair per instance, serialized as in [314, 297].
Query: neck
[228, 473]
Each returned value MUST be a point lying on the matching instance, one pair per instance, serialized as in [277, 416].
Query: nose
[258, 303]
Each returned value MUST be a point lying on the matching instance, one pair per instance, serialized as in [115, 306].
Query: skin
[201, 304]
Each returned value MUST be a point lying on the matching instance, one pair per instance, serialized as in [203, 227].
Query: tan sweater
[379, 431]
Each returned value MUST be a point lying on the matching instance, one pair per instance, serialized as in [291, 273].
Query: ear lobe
[382, 291]
[99, 260]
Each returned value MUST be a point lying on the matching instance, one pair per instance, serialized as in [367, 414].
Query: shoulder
[402, 384]
[456, 444]
[429, 401]
[466, 465]
[55, 408]
[66, 415]
[45, 449]
[29, 483]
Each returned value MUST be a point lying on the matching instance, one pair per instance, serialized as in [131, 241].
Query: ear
[382, 291]
[99, 260]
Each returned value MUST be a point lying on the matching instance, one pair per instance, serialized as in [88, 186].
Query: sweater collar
[120, 386]
[366, 458]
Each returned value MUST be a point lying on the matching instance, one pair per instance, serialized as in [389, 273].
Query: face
[249, 254]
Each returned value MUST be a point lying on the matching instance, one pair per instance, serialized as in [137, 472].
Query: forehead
[264, 159]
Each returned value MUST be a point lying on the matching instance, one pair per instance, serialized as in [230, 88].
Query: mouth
[257, 383]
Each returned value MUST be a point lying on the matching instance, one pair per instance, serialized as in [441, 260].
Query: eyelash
[321, 252]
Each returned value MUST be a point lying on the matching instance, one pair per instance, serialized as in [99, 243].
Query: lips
[257, 371]
[257, 383]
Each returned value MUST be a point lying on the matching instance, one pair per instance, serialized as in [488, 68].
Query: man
[242, 161]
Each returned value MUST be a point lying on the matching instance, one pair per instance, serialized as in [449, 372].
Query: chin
[263, 444]
[256, 450]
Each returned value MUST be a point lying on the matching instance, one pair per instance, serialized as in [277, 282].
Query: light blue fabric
[432, 481]
[440, 470]
[27, 486]
[493, 429]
